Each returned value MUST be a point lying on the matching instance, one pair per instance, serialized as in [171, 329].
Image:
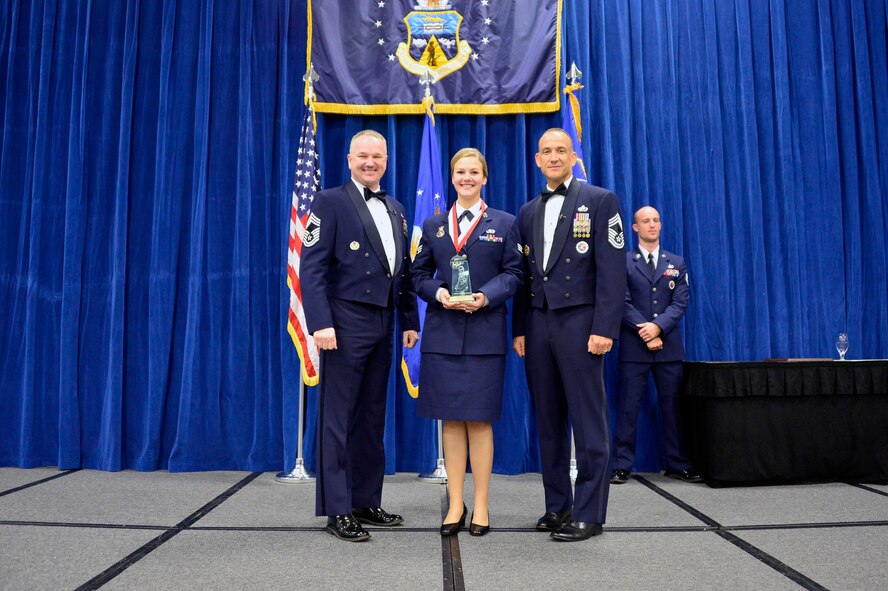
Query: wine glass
[842, 345]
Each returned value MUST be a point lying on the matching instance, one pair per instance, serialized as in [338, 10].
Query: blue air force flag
[430, 198]
[485, 56]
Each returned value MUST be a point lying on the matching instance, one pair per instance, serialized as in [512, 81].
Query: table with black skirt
[787, 421]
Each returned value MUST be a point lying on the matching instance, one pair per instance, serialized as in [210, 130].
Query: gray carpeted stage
[235, 530]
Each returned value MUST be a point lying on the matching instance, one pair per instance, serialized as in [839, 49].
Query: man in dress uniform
[565, 321]
[354, 272]
[650, 343]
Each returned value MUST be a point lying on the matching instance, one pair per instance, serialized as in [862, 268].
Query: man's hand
[648, 331]
[599, 345]
[325, 338]
[410, 338]
[518, 346]
[655, 344]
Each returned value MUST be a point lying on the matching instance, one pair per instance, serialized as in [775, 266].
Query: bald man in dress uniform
[354, 273]
[565, 321]
[650, 344]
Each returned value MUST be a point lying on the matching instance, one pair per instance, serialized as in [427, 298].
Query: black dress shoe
[576, 531]
[689, 475]
[450, 529]
[551, 521]
[346, 527]
[620, 477]
[377, 516]
[479, 530]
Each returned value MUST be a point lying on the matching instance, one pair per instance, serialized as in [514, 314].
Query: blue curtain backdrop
[146, 162]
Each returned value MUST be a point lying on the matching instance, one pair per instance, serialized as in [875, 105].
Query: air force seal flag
[486, 57]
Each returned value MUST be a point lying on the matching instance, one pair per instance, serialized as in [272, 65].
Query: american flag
[306, 184]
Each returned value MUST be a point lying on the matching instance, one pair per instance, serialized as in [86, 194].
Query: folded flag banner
[485, 57]
[430, 198]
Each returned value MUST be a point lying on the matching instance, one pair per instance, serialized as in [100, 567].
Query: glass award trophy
[842, 345]
[461, 290]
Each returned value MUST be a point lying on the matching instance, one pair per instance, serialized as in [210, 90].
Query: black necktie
[468, 215]
[651, 263]
[559, 190]
[368, 195]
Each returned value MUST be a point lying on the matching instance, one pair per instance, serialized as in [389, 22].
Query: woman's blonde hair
[469, 153]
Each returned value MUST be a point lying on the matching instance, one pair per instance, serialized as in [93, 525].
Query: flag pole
[574, 128]
[573, 456]
[439, 474]
[299, 474]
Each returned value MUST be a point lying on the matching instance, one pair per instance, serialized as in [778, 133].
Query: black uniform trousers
[351, 409]
[633, 385]
[566, 380]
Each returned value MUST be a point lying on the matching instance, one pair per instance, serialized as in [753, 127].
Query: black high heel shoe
[479, 530]
[450, 529]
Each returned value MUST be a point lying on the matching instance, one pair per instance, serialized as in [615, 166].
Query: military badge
[582, 208]
[670, 265]
[615, 232]
[672, 285]
[312, 231]
[582, 247]
[527, 250]
[355, 245]
[440, 232]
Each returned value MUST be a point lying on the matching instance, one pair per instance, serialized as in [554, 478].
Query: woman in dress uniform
[464, 337]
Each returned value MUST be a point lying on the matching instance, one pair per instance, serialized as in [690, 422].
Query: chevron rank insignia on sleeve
[615, 232]
[312, 231]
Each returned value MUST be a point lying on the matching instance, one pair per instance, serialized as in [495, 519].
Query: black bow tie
[368, 195]
[559, 190]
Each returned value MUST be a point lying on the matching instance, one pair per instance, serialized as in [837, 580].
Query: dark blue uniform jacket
[495, 269]
[343, 257]
[661, 298]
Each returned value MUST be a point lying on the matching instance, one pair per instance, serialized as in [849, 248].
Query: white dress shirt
[644, 254]
[381, 216]
[550, 220]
